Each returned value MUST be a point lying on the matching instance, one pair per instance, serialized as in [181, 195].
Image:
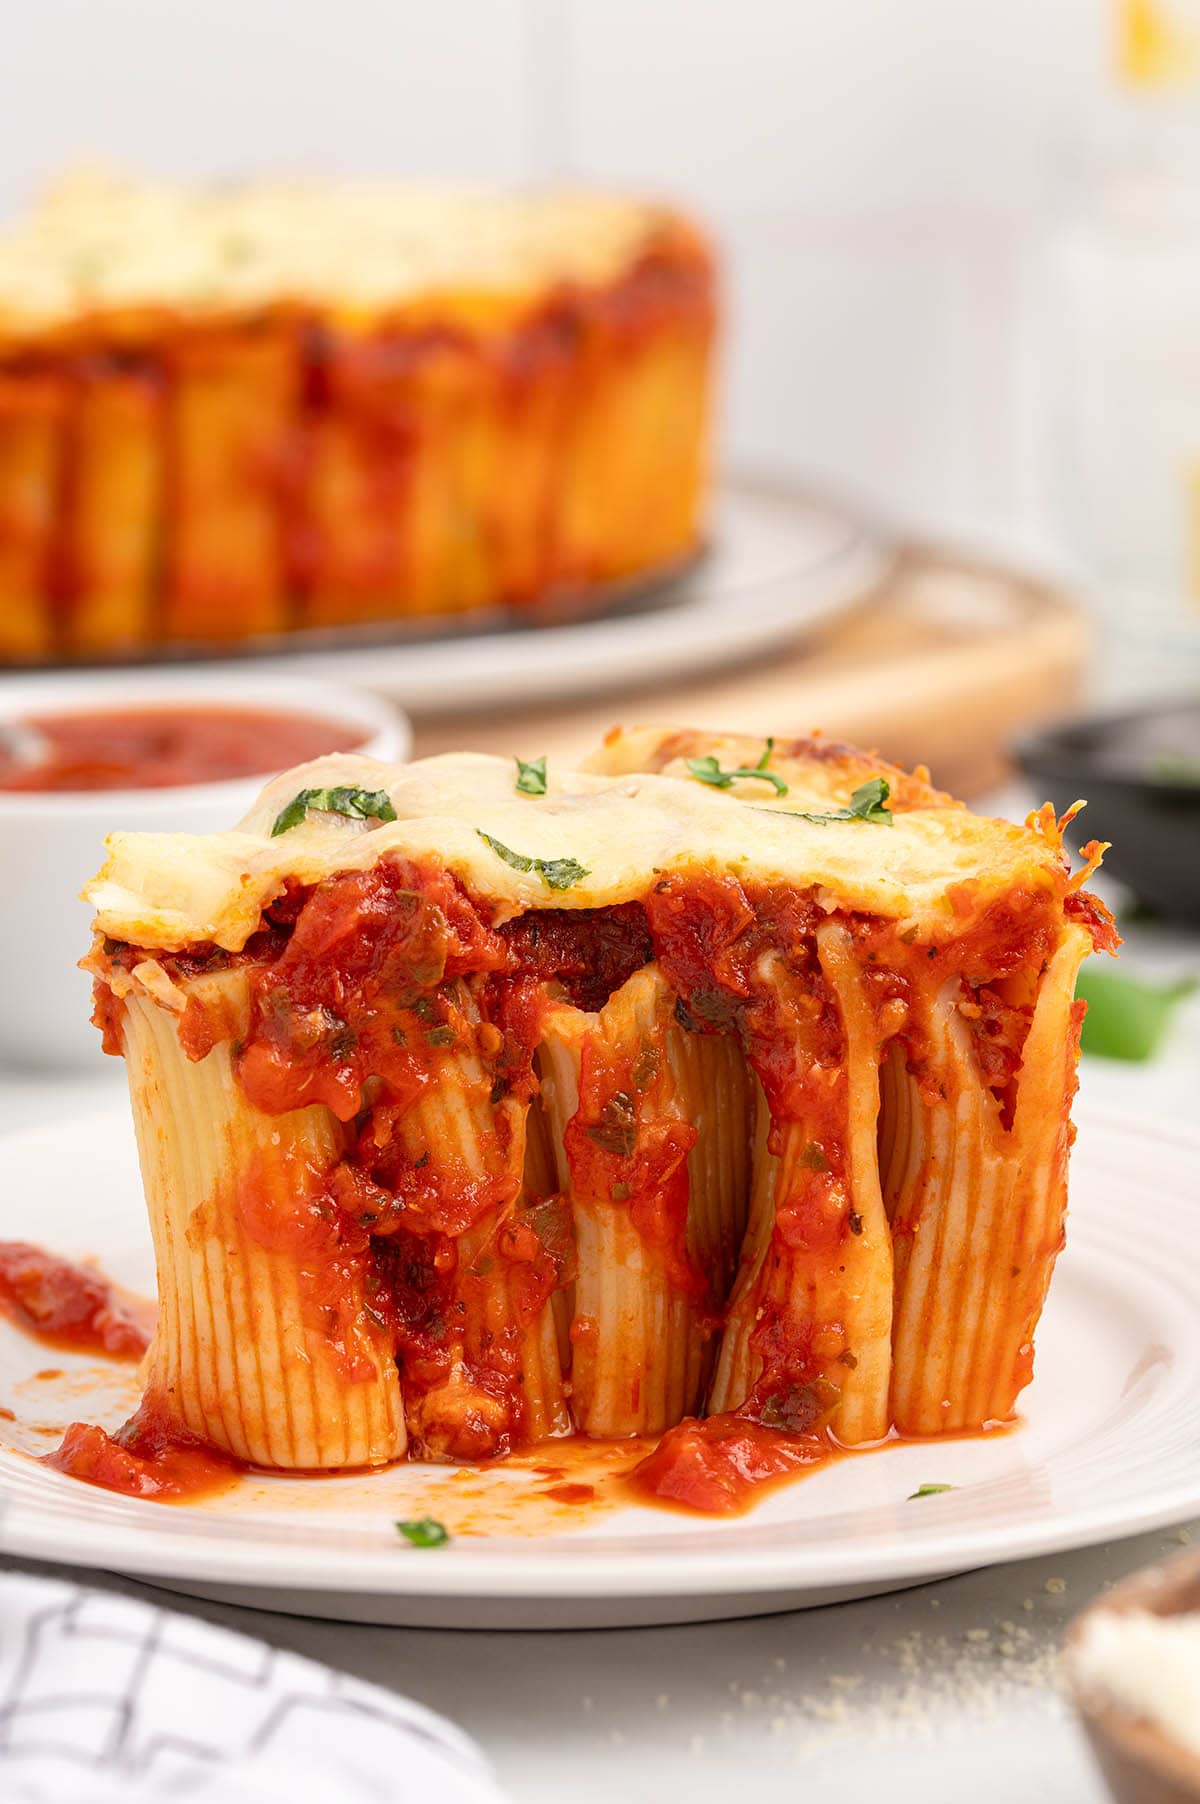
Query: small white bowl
[52, 842]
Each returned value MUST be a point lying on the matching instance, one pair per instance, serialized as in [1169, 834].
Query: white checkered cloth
[107, 1700]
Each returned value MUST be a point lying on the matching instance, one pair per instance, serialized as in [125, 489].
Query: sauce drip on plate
[69, 1306]
[721, 1465]
[151, 1456]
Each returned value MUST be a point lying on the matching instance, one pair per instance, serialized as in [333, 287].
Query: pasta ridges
[646, 1150]
[263, 1295]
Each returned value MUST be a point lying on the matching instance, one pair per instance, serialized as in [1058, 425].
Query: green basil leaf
[928, 1491]
[868, 803]
[531, 778]
[517, 860]
[555, 873]
[357, 804]
[707, 770]
[426, 1531]
[293, 814]
[560, 873]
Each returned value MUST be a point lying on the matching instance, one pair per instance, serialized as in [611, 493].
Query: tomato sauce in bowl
[160, 746]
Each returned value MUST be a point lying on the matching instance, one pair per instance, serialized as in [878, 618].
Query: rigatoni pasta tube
[228, 424]
[809, 1329]
[265, 1344]
[113, 510]
[651, 1126]
[976, 1207]
[500, 1372]
[31, 415]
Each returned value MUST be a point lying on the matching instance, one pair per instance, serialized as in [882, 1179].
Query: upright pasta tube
[715, 1088]
[31, 417]
[230, 424]
[266, 1344]
[976, 1206]
[634, 451]
[1033, 1222]
[540, 1191]
[380, 492]
[114, 502]
[354, 483]
[809, 1327]
[447, 550]
[494, 1365]
[650, 1125]
[737, 1366]
[518, 459]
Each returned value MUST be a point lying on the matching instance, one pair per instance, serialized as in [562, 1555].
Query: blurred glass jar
[1124, 336]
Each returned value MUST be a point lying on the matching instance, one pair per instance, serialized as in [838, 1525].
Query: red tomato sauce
[624, 1152]
[571, 1493]
[723, 1464]
[67, 1305]
[588, 952]
[152, 1456]
[162, 747]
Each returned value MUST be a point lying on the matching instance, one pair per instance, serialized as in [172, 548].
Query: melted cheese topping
[101, 246]
[935, 869]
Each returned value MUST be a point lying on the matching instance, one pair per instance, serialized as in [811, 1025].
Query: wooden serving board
[945, 664]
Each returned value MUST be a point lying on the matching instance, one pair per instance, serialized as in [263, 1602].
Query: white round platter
[1108, 1444]
[778, 565]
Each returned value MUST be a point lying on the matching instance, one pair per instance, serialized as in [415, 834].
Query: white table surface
[947, 1691]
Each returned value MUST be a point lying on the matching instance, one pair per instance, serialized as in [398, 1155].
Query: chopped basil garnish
[799, 1408]
[616, 1130]
[358, 804]
[707, 770]
[531, 778]
[928, 1491]
[556, 873]
[560, 873]
[868, 803]
[425, 1532]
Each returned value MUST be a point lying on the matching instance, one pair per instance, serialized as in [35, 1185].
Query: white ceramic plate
[779, 566]
[1108, 1444]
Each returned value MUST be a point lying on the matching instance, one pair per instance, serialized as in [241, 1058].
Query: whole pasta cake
[237, 412]
[717, 1092]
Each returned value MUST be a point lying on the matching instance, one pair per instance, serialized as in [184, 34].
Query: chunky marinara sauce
[163, 747]
[151, 1457]
[67, 1305]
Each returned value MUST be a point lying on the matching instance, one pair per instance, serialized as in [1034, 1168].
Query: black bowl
[1140, 773]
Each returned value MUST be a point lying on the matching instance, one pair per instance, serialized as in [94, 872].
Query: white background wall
[876, 170]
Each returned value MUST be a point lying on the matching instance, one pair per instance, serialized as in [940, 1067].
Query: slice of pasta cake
[718, 1091]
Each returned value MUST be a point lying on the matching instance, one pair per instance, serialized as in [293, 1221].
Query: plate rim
[566, 1568]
